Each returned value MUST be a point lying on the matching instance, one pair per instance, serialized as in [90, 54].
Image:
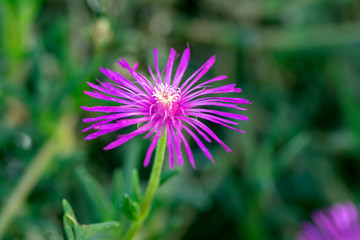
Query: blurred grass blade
[344, 80]
[292, 149]
[102, 205]
[17, 20]
[132, 157]
[118, 188]
[167, 175]
[135, 185]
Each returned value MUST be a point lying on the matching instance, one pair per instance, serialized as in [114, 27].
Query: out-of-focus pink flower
[340, 222]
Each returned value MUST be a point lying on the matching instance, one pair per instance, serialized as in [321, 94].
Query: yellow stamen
[166, 95]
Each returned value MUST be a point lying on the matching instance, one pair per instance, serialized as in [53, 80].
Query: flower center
[166, 98]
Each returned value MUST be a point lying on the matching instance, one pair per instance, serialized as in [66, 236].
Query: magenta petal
[169, 66]
[193, 104]
[222, 99]
[124, 123]
[157, 65]
[151, 148]
[219, 122]
[96, 87]
[187, 149]
[116, 77]
[104, 97]
[122, 92]
[127, 137]
[107, 128]
[199, 131]
[219, 78]
[97, 124]
[182, 66]
[152, 75]
[170, 146]
[109, 109]
[203, 85]
[209, 131]
[141, 80]
[206, 64]
[177, 143]
[155, 128]
[204, 69]
[114, 116]
[224, 89]
[220, 113]
[212, 118]
[99, 133]
[200, 143]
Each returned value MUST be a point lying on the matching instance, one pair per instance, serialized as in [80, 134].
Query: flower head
[164, 101]
[340, 222]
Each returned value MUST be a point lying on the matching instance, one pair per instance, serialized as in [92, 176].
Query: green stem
[151, 188]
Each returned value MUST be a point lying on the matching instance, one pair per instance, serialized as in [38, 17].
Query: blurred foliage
[297, 61]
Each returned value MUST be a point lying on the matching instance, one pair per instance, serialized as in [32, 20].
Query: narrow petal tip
[193, 166]
[89, 137]
[108, 147]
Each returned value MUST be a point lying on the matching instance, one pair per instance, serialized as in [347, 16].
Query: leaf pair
[75, 231]
[124, 203]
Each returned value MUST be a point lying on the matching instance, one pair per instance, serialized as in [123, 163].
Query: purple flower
[340, 222]
[164, 101]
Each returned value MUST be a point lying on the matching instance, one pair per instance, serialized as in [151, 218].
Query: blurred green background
[298, 62]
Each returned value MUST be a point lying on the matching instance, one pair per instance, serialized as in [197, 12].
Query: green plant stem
[151, 188]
